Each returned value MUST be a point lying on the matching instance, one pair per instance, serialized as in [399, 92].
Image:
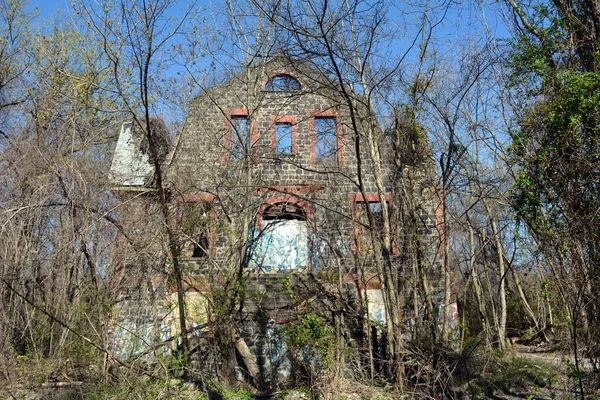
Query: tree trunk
[485, 322]
[502, 284]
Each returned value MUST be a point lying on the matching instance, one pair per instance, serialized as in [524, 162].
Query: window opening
[238, 136]
[325, 138]
[364, 240]
[284, 211]
[195, 221]
[283, 137]
[200, 245]
[283, 83]
[376, 210]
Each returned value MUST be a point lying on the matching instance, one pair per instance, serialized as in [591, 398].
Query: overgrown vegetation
[513, 162]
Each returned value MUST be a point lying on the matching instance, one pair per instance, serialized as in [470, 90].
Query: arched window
[283, 82]
[282, 241]
[284, 211]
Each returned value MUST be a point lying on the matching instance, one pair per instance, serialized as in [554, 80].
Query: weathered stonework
[291, 224]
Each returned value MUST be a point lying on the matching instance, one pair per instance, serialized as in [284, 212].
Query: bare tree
[56, 218]
[133, 38]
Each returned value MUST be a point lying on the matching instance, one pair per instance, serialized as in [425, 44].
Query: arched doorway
[281, 242]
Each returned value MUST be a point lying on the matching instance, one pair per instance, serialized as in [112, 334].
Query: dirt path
[561, 360]
[565, 387]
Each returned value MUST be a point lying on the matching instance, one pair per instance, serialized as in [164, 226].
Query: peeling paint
[130, 166]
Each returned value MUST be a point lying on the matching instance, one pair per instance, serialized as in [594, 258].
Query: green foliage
[35, 371]
[236, 394]
[313, 331]
[559, 148]
[408, 135]
[511, 373]
[556, 74]
[287, 282]
[536, 61]
[506, 375]
[141, 387]
[310, 343]
[194, 216]
[515, 313]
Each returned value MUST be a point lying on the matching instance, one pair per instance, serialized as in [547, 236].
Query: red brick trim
[284, 119]
[196, 284]
[193, 284]
[338, 133]
[368, 281]
[371, 198]
[196, 197]
[229, 114]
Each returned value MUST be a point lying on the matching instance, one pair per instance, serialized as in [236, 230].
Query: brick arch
[287, 198]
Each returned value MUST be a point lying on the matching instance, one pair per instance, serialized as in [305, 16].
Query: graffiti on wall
[281, 245]
[134, 331]
[196, 307]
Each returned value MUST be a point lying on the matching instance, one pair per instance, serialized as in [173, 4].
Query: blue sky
[470, 23]
[46, 8]
[463, 29]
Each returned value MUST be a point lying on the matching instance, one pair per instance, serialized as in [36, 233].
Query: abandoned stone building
[271, 179]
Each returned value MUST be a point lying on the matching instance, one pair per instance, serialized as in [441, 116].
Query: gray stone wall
[200, 165]
[199, 169]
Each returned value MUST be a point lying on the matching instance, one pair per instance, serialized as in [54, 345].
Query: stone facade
[264, 184]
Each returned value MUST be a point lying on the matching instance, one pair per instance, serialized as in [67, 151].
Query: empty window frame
[238, 137]
[362, 209]
[326, 136]
[364, 243]
[284, 135]
[326, 146]
[237, 129]
[283, 82]
[364, 239]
